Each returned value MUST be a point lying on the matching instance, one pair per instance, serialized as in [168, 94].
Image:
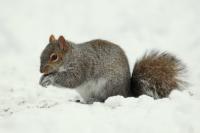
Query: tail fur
[156, 74]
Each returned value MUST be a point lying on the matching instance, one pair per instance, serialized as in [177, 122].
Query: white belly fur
[92, 87]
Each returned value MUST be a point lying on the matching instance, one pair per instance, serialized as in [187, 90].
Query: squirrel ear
[52, 38]
[62, 43]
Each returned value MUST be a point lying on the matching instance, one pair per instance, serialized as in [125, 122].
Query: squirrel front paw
[46, 80]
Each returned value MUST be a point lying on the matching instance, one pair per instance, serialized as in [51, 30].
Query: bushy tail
[156, 74]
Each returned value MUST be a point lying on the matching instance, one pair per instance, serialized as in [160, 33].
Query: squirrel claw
[45, 81]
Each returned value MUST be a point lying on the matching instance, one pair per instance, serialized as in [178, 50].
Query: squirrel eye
[53, 57]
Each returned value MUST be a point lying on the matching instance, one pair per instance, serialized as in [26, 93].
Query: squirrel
[98, 69]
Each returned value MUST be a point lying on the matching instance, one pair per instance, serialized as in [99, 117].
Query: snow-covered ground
[136, 25]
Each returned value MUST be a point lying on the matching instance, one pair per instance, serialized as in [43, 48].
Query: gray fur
[99, 64]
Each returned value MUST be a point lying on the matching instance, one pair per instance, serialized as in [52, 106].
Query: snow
[136, 26]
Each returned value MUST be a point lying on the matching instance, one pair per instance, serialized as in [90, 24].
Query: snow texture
[137, 26]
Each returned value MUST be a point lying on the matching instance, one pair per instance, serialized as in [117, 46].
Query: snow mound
[179, 113]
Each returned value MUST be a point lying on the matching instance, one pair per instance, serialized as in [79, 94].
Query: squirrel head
[52, 56]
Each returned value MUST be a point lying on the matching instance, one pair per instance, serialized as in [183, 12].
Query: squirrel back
[156, 74]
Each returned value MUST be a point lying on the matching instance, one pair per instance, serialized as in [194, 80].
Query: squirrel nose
[44, 69]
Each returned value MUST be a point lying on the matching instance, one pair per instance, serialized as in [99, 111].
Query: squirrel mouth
[47, 74]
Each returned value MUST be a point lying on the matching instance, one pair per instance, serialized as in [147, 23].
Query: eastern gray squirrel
[98, 69]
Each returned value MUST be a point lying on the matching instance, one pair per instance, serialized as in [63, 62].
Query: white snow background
[136, 25]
